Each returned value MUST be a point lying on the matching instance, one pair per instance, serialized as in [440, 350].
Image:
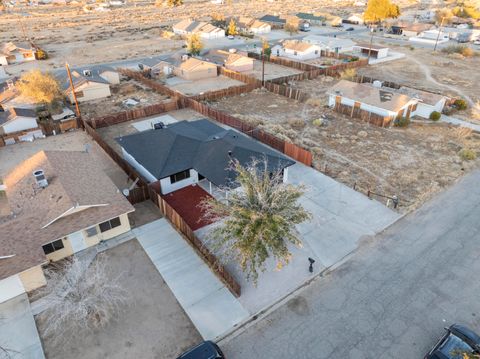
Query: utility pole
[370, 47]
[73, 91]
[438, 35]
[263, 67]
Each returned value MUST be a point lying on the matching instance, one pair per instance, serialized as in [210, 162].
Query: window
[295, 53]
[180, 176]
[79, 94]
[316, 52]
[108, 225]
[53, 246]
[92, 231]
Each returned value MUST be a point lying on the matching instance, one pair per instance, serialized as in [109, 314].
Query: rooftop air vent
[40, 178]
[87, 73]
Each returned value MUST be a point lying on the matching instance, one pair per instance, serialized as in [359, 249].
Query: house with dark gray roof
[184, 153]
[273, 20]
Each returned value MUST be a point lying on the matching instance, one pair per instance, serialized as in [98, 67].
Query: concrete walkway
[18, 331]
[209, 304]
[341, 218]
[462, 123]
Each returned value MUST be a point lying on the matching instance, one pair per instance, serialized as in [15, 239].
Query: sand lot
[190, 88]
[153, 326]
[127, 89]
[411, 163]
[272, 71]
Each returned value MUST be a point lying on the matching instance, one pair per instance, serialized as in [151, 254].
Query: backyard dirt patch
[13, 155]
[272, 71]
[324, 61]
[126, 128]
[152, 326]
[127, 89]
[411, 163]
[316, 88]
[196, 87]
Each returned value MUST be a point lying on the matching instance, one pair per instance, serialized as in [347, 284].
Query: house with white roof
[297, 50]
[204, 29]
[17, 119]
[331, 44]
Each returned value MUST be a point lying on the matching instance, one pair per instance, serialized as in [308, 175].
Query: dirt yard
[197, 87]
[317, 88]
[127, 89]
[11, 156]
[324, 61]
[411, 163]
[152, 326]
[452, 75]
[126, 128]
[272, 71]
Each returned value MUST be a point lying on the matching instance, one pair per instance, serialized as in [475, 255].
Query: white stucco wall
[3, 60]
[307, 55]
[19, 124]
[363, 106]
[91, 91]
[424, 110]
[167, 187]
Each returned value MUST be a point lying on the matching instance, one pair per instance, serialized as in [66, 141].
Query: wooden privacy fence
[128, 115]
[231, 91]
[182, 226]
[154, 85]
[287, 91]
[138, 195]
[367, 116]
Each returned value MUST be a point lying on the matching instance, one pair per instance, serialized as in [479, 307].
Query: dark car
[205, 350]
[457, 340]
[349, 29]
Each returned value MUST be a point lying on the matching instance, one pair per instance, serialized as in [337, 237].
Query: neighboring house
[17, 119]
[195, 69]
[156, 67]
[297, 50]
[204, 29]
[251, 25]
[409, 29]
[61, 203]
[184, 153]
[356, 19]
[232, 61]
[428, 102]
[312, 18]
[3, 73]
[370, 101]
[274, 21]
[11, 53]
[331, 44]
[90, 83]
[375, 51]
[431, 36]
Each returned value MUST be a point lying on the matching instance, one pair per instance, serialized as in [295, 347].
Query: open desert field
[411, 163]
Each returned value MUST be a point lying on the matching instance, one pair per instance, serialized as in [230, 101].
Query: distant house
[366, 101]
[274, 21]
[251, 25]
[233, 61]
[297, 50]
[431, 36]
[61, 203]
[156, 67]
[17, 119]
[204, 29]
[11, 53]
[187, 152]
[195, 69]
[356, 19]
[409, 29]
[312, 18]
[330, 44]
[375, 51]
[90, 83]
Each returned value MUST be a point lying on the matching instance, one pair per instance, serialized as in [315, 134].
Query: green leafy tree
[194, 44]
[379, 10]
[258, 221]
[39, 87]
[173, 3]
[232, 28]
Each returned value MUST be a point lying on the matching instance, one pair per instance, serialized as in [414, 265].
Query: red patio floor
[186, 202]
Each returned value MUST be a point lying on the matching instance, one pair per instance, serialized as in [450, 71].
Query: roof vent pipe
[40, 178]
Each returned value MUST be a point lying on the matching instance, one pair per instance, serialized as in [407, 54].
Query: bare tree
[80, 297]
[258, 220]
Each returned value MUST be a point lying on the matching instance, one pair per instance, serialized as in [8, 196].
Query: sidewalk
[462, 123]
[209, 304]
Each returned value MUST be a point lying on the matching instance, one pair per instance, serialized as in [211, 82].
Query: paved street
[392, 298]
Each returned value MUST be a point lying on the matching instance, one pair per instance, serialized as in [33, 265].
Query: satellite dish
[126, 192]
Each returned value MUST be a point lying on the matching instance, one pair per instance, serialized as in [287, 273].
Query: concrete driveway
[341, 218]
[18, 332]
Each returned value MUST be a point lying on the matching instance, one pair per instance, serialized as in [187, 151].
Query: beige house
[195, 69]
[61, 202]
[235, 61]
[204, 29]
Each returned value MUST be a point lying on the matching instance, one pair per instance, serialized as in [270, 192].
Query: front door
[77, 241]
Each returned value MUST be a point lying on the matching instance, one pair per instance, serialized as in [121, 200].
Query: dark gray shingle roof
[200, 145]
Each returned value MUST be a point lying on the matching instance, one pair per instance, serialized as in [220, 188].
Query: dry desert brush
[80, 297]
[258, 220]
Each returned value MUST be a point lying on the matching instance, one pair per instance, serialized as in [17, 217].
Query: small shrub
[460, 104]
[296, 123]
[318, 122]
[468, 52]
[403, 122]
[411, 48]
[435, 116]
[467, 154]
